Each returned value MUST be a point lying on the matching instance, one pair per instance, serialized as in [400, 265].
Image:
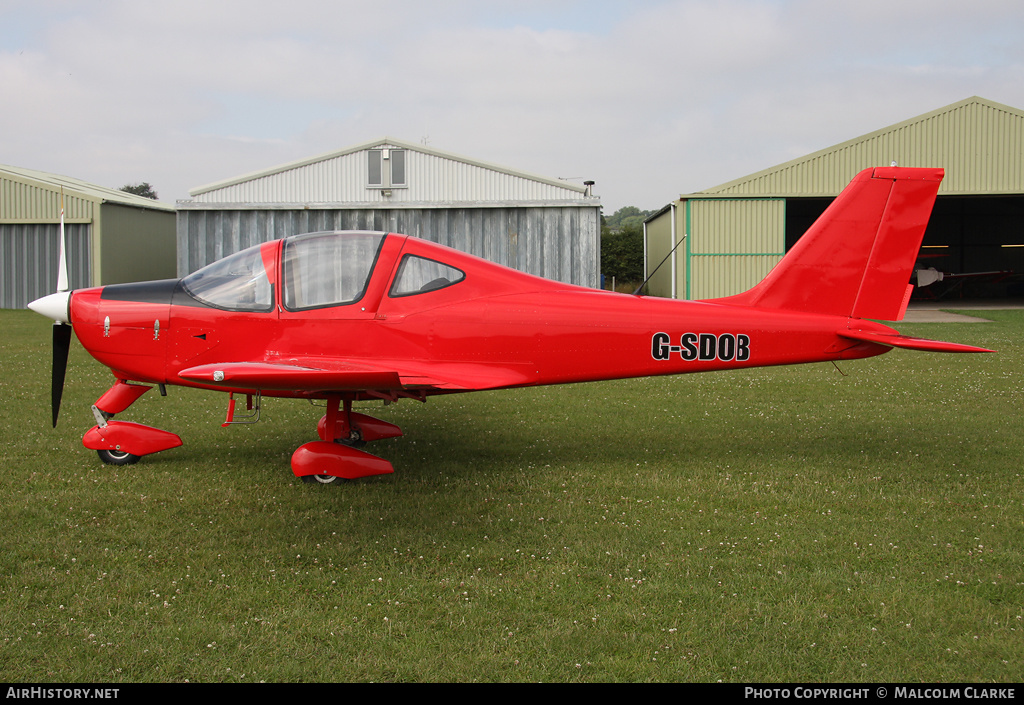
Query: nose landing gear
[124, 442]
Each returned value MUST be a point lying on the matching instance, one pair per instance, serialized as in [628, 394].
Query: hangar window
[236, 283]
[327, 269]
[386, 168]
[418, 275]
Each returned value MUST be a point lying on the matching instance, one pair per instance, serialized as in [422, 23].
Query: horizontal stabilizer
[905, 341]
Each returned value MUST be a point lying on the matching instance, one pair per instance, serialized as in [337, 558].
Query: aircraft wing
[911, 343]
[335, 374]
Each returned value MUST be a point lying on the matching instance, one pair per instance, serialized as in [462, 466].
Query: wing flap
[465, 376]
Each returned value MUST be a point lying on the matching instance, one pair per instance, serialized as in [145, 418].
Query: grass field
[787, 524]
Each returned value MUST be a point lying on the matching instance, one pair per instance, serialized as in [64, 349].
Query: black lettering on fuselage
[689, 344]
[708, 348]
[742, 348]
[727, 347]
[660, 346]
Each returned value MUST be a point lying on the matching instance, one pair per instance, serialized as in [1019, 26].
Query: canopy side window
[236, 283]
[328, 269]
[418, 275]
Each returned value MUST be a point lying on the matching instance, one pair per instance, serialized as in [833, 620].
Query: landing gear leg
[344, 433]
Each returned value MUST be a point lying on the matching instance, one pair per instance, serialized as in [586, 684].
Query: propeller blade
[61, 348]
[62, 259]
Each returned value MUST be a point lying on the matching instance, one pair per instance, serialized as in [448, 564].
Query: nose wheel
[322, 480]
[117, 457]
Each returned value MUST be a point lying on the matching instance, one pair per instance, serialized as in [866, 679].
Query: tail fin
[856, 259]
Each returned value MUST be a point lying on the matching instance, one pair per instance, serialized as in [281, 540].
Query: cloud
[650, 99]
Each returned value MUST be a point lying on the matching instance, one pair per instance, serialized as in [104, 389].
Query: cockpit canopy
[237, 283]
[317, 270]
[327, 269]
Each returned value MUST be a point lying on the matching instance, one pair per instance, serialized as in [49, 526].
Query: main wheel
[322, 480]
[117, 457]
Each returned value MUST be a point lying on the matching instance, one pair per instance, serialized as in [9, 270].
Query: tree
[626, 217]
[140, 189]
[622, 245]
[622, 254]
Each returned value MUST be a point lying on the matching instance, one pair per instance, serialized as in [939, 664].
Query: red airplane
[350, 316]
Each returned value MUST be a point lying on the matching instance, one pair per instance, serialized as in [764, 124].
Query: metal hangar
[547, 227]
[727, 238]
[112, 236]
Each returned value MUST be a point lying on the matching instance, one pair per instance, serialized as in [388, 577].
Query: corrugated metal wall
[23, 202]
[138, 244]
[733, 244]
[28, 260]
[561, 243]
[730, 245]
[658, 234]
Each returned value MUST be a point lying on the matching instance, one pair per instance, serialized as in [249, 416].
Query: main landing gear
[336, 456]
[124, 442]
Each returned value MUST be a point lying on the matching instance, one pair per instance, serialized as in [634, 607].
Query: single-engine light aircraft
[350, 316]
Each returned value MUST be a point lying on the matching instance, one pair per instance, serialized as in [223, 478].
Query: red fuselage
[493, 328]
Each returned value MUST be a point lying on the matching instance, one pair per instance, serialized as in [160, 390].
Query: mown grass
[788, 524]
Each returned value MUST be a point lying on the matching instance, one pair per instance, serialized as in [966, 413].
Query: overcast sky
[649, 99]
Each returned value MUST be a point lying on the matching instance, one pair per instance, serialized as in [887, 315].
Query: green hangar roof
[725, 239]
[978, 142]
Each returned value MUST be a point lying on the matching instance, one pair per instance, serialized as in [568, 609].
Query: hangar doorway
[979, 240]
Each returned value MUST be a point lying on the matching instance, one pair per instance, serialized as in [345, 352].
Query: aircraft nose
[53, 306]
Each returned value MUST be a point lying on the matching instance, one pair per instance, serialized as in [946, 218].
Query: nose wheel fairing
[127, 437]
